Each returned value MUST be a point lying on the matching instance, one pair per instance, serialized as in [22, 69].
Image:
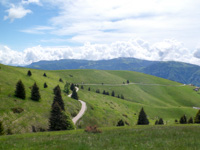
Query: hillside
[159, 97]
[176, 71]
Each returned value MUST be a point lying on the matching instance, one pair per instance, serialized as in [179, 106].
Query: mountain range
[175, 71]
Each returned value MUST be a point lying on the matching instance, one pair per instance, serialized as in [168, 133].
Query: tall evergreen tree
[183, 119]
[197, 117]
[160, 122]
[29, 73]
[190, 120]
[45, 85]
[35, 94]
[142, 119]
[127, 81]
[58, 97]
[44, 75]
[59, 120]
[74, 94]
[20, 90]
[113, 93]
[1, 128]
[72, 87]
[89, 89]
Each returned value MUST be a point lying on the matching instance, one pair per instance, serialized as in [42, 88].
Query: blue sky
[37, 30]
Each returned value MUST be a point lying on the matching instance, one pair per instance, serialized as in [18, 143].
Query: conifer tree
[107, 93]
[118, 96]
[190, 120]
[45, 85]
[142, 118]
[104, 92]
[1, 128]
[44, 75]
[120, 123]
[89, 89]
[82, 87]
[58, 97]
[113, 93]
[197, 117]
[59, 120]
[183, 119]
[74, 94]
[20, 90]
[72, 87]
[122, 96]
[127, 81]
[160, 122]
[35, 94]
[29, 73]
[60, 80]
[156, 122]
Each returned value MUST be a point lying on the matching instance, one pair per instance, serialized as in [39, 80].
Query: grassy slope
[35, 113]
[137, 137]
[168, 102]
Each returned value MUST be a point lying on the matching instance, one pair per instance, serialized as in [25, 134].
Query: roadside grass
[113, 138]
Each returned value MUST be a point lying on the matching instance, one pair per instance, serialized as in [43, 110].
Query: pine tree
[74, 94]
[89, 89]
[29, 73]
[20, 90]
[82, 87]
[35, 94]
[58, 97]
[72, 87]
[113, 93]
[120, 123]
[104, 92]
[156, 122]
[66, 88]
[59, 120]
[160, 122]
[190, 120]
[183, 119]
[1, 128]
[197, 117]
[45, 85]
[60, 80]
[142, 119]
[44, 75]
[118, 96]
[127, 81]
[122, 96]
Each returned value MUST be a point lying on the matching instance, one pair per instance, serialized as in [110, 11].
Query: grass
[168, 102]
[138, 137]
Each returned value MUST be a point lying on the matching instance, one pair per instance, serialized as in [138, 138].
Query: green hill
[159, 97]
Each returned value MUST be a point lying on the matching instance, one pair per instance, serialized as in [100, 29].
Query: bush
[44, 75]
[60, 80]
[1, 128]
[92, 129]
[17, 109]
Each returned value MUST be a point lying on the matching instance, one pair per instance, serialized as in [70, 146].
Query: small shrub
[1, 128]
[9, 131]
[17, 110]
[120, 123]
[44, 75]
[60, 80]
[92, 129]
[82, 87]
[45, 85]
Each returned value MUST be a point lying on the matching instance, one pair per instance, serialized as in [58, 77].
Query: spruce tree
[74, 94]
[20, 90]
[156, 122]
[45, 85]
[29, 73]
[113, 93]
[118, 96]
[72, 87]
[142, 118]
[44, 75]
[35, 94]
[160, 122]
[122, 96]
[59, 120]
[127, 81]
[183, 119]
[197, 117]
[60, 80]
[1, 128]
[120, 123]
[89, 89]
[58, 97]
[190, 120]
[82, 87]
[104, 92]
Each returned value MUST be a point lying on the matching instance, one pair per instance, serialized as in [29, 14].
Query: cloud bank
[167, 50]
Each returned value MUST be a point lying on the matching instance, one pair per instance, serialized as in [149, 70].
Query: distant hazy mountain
[176, 71]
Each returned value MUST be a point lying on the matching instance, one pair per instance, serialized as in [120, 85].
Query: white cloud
[166, 50]
[16, 12]
[31, 1]
[38, 30]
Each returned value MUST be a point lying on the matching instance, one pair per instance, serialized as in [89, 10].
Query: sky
[160, 30]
